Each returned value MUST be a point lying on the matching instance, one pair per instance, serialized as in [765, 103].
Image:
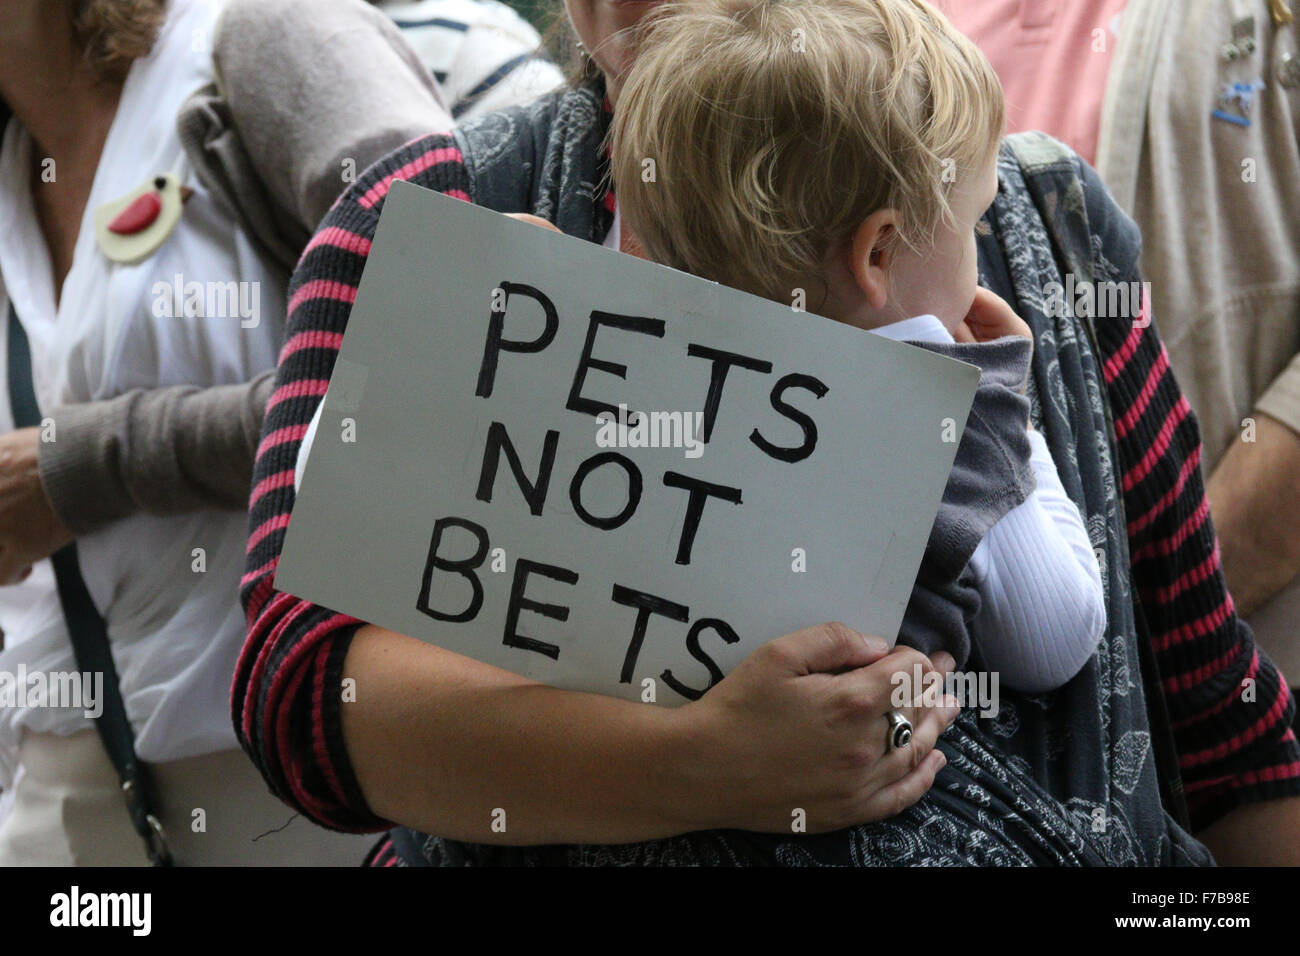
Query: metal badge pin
[1243, 39]
[1288, 70]
[1243, 94]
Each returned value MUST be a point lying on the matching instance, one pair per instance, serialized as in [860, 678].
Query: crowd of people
[1116, 538]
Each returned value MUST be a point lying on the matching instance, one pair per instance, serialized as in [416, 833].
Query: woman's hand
[800, 725]
[444, 744]
[990, 318]
[30, 531]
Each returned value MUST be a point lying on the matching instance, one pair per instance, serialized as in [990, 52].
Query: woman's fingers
[894, 798]
[826, 649]
[891, 682]
[928, 722]
[803, 722]
[897, 777]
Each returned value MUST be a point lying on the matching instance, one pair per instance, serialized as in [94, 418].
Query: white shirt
[614, 238]
[1042, 607]
[175, 629]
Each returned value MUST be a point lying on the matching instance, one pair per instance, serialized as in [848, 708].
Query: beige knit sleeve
[159, 451]
[1281, 399]
[319, 91]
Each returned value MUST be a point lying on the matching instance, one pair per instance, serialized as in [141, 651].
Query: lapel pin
[1243, 39]
[1288, 70]
[132, 228]
[1243, 94]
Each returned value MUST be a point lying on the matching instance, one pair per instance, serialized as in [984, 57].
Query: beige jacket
[1219, 207]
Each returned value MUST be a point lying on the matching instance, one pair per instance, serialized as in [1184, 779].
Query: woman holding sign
[361, 728]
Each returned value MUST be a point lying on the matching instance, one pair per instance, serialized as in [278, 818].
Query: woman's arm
[286, 697]
[346, 89]
[158, 451]
[1257, 834]
[1260, 541]
[448, 745]
[1231, 713]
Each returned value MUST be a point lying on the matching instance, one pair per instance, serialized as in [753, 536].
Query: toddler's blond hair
[775, 127]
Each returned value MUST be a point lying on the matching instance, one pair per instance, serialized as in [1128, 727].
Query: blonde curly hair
[776, 127]
[114, 33]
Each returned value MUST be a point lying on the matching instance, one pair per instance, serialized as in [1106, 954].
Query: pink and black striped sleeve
[1230, 708]
[287, 687]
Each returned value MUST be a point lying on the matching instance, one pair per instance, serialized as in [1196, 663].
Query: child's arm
[1042, 608]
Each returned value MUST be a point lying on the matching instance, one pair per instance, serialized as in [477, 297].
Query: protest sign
[605, 474]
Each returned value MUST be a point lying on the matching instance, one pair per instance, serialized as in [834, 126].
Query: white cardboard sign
[461, 489]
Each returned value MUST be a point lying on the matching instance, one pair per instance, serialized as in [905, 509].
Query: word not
[72, 689]
[208, 300]
[74, 908]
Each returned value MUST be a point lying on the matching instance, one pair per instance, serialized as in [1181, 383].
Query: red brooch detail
[138, 216]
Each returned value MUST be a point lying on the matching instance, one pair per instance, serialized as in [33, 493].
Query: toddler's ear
[871, 256]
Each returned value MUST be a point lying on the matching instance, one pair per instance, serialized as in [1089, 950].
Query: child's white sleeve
[305, 448]
[1042, 608]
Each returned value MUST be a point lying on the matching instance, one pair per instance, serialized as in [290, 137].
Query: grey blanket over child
[990, 475]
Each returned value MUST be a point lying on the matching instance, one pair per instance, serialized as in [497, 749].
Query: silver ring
[900, 730]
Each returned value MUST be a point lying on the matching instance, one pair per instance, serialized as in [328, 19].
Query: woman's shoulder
[491, 160]
[1098, 239]
[505, 150]
[433, 161]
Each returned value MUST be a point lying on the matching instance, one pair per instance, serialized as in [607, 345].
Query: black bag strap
[90, 644]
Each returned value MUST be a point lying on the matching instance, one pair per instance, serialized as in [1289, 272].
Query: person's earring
[585, 58]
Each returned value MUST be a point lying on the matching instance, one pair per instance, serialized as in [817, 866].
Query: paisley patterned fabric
[1066, 778]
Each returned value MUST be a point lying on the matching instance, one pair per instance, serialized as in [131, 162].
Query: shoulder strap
[1037, 152]
[90, 644]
